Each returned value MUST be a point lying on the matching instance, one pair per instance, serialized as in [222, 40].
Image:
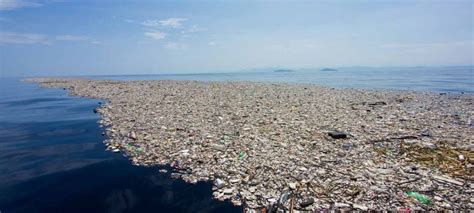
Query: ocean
[436, 79]
[52, 158]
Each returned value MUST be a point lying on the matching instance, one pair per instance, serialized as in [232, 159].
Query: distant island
[328, 70]
[283, 70]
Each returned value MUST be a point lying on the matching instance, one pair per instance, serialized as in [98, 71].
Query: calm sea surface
[52, 158]
[439, 79]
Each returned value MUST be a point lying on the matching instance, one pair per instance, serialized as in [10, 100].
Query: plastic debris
[219, 183]
[420, 197]
[337, 135]
[218, 147]
[307, 202]
[133, 135]
[228, 191]
[174, 165]
[448, 180]
[285, 129]
[361, 207]
[292, 186]
[242, 155]
[284, 198]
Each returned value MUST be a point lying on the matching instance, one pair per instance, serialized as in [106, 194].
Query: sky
[107, 37]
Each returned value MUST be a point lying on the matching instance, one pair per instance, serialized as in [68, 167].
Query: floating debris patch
[274, 146]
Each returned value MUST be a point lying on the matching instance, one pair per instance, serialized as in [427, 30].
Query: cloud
[171, 22]
[129, 20]
[17, 4]
[72, 38]
[75, 38]
[212, 43]
[155, 35]
[34, 38]
[428, 45]
[194, 29]
[175, 46]
[23, 38]
[151, 23]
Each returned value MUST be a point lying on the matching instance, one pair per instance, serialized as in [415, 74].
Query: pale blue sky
[84, 37]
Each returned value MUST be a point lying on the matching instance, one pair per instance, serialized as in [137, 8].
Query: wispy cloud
[155, 35]
[72, 38]
[171, 22]
[212, 43]
[35, 38]
[194, 29]
[76, 38]
[427, 45]
[185, 33]
[129, 20]
[151, 23]
[17, 4]
[23, 38]
[175, 45]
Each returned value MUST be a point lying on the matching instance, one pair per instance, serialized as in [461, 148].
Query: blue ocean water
[437, 79]
[52, 158]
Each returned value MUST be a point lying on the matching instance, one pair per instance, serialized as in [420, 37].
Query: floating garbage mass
[295, 146]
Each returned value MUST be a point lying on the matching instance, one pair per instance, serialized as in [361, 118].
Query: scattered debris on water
[271, 146]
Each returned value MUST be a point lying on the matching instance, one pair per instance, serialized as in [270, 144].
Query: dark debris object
[338, 135]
